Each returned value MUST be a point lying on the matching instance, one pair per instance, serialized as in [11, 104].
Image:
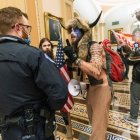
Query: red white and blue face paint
[77, 32]
[76, 35]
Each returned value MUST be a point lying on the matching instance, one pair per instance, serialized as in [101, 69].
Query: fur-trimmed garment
[83, 43]
[99, 94]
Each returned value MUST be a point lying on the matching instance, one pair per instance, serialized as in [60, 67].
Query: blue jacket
[26, 77]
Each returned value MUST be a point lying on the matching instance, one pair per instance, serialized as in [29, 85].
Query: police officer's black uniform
[31, 89]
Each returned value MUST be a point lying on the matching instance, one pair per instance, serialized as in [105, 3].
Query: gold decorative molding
[67, 13]
[33, 14]
[40, 18]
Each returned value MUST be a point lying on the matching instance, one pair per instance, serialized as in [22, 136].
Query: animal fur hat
[83, 43]
[86, 28]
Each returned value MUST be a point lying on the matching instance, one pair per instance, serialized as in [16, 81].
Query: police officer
[31, 88]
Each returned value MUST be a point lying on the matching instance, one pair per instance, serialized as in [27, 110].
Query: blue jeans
[126, 66]
[135, 98]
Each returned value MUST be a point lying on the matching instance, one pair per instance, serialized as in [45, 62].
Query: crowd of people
[33, 88]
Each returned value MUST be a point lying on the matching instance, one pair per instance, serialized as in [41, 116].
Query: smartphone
[136, 45]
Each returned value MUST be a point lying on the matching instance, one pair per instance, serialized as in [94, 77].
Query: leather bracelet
[78, 62]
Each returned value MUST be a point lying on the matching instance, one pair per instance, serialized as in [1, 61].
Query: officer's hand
[70, 53]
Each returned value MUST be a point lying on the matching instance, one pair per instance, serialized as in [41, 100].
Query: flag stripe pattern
[122, 39]
[60, 63]
[63, 71]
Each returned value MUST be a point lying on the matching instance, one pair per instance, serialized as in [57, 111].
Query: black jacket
[27, 77]
[134, 60]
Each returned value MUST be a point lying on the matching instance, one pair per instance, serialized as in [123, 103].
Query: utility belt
[28, 120]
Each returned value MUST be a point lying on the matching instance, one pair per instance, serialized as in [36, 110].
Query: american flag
[60, 63]
[123, 39]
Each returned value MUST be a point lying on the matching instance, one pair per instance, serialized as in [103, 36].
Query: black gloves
[70, 53]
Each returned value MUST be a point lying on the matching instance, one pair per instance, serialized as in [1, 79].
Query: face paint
[78, 32]
[76, 35]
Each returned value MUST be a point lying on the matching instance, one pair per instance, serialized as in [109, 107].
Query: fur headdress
[86, 28]
[82, 44]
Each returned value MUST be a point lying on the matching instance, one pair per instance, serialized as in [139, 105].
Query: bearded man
[90, 59]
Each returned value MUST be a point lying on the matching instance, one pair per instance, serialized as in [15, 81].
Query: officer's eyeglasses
[29, 28]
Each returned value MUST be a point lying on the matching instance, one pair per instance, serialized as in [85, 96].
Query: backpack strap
[108, 61]
[88, 54]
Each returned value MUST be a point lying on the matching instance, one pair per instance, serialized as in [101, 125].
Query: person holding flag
[125, 46]
[99, 93]
[47, 47]
[123, 39]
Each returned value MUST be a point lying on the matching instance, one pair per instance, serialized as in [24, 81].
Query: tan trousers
[98, 103]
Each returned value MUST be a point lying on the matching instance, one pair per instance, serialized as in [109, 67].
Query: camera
[136, 45]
